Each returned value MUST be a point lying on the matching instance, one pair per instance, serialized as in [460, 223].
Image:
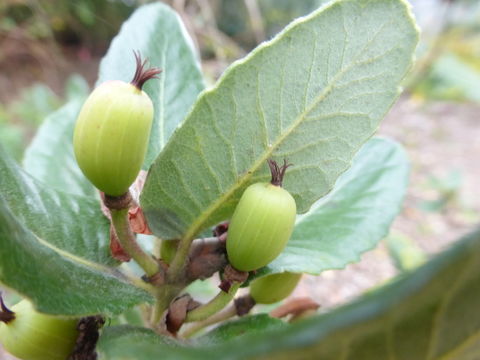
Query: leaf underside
[314, 95]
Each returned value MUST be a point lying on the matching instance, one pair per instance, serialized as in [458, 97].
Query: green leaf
[158, 33]
[426, 314]
[50, 157]
[314, 95]
[255, 324]
[72, 223]
[56, 281]
[354, 217]
[129, 343]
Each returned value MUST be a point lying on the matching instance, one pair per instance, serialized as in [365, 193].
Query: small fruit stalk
[273, 288]
[112, 131]
[262, 223]
[30, 335]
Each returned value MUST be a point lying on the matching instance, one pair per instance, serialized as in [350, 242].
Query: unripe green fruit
[35, 336]
[273, 288]
[260, 226]
[111, 135]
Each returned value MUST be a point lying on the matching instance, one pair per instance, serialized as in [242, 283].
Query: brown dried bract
[6, 315]
[137, 221]
[116, 248]
[206, 257]
[230, 276]
[221, 229]
[88, 334]
[177, 312]
[159, 278]
[244, 304]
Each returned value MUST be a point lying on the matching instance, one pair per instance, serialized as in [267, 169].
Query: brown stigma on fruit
[278, 172]
[143, 74]
[6, 315]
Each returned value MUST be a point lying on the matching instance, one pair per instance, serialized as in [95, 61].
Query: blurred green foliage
[449, 66]
[404, 251]
[91, 22]
[249, 22]
[447, 189]
[20, 118]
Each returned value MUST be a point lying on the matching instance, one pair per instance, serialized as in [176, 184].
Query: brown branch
[207, 256]
[294, 307]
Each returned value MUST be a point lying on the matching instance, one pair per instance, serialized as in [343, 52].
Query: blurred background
[50, 51]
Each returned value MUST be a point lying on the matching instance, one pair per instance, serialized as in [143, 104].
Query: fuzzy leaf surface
[56, 281]
[72, 223]
[157, 32]
[314, 94]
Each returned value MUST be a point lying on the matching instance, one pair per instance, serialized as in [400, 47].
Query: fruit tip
[142, 74]
[277, 171]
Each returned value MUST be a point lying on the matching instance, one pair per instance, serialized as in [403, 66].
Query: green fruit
[273, 288]
[261, 223]
[34, 336]
[112, 130]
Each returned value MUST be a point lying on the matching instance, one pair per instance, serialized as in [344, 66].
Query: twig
[223, 315]
[294, 307]
[129, 244]
[213, 306]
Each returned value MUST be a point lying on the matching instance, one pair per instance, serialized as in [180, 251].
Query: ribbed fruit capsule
[30, 335]
[261, 223]
[112, 131]
[273, 288]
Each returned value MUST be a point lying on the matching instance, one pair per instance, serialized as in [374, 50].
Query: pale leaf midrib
[199, 223]
[74, 258]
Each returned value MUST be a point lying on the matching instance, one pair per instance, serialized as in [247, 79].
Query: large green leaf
[135, 343]
[255, 324]
[158, 33]
[354, 217]
[72, 223]
[427, 314]
[50, 157]
[314, 94]
[56, 281]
